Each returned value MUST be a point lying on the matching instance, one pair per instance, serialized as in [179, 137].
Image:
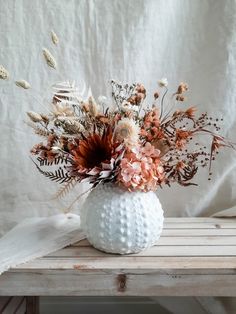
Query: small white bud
[163, 82]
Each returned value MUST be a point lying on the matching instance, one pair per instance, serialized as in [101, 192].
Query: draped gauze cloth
[127, 40]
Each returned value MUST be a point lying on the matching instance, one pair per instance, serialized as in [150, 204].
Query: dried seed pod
[4, 74]
[54, 38]
[49, 58]
[23, 84]
[34, 116]
[180, 98]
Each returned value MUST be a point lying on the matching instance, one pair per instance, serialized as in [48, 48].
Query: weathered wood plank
[170, 250]
[129, 262]
[188, 240]
[194, 256]
[199, 220]
[203, 225]
[123, 284]
[198, 232]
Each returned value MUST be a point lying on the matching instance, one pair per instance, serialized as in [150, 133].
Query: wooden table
[194, 257]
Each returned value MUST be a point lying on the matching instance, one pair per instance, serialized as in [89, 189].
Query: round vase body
[122, 222]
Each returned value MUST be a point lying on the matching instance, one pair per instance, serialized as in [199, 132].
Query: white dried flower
[128, 131]
[4, 74]
[49, 58]
[102, 100]
[163, 82]
[54, 37]
[34, 116]
[126, 107]
[55, 149]
[23, 84]
[93, 107]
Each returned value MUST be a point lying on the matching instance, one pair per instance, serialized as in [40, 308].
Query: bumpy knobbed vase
[122, 222]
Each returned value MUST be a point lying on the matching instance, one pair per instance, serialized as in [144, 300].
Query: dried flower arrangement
[129, 143]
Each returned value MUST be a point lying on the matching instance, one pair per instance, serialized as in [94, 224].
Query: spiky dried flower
[51, 61]
[4, 74]
[23, 84]
[34, 116]
[127, 131]
[54, 38]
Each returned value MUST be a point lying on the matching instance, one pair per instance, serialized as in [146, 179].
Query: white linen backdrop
[127, 40]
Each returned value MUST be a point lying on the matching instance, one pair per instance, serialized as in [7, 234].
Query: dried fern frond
[51, 61]
[68, 93]
[54, 38]
[56, 161]
[58, 175]
[38, 130]
[23, 84]
[68, 186]
[4, 74]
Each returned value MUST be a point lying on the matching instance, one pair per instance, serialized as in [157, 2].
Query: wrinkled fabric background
[127, 40]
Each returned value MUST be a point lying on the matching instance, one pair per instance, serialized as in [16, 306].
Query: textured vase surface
[122, 222]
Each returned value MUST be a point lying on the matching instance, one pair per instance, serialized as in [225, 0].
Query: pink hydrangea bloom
[141, 169]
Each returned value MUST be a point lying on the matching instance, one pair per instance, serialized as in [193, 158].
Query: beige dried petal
[49, 58]
[4, 74]
[34, 116]
[54, 37]
[23, 84]
[93, 107]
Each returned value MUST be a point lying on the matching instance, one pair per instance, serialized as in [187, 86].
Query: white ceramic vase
[122, 222]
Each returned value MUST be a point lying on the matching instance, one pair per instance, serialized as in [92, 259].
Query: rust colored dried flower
[156, 95]
[183, 87]
[180, 98]
[93, 150]
[190, 112]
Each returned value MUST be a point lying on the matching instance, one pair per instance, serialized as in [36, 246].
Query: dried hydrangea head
[4, 74]
[54, 38]
[127, 131]
[23, 84]
[49, 58]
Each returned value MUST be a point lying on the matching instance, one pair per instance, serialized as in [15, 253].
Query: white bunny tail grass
[4, 74]
[23, 84]
[49, 58]
[54, 38]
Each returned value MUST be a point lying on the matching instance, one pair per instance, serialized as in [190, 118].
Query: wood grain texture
[194, 257]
